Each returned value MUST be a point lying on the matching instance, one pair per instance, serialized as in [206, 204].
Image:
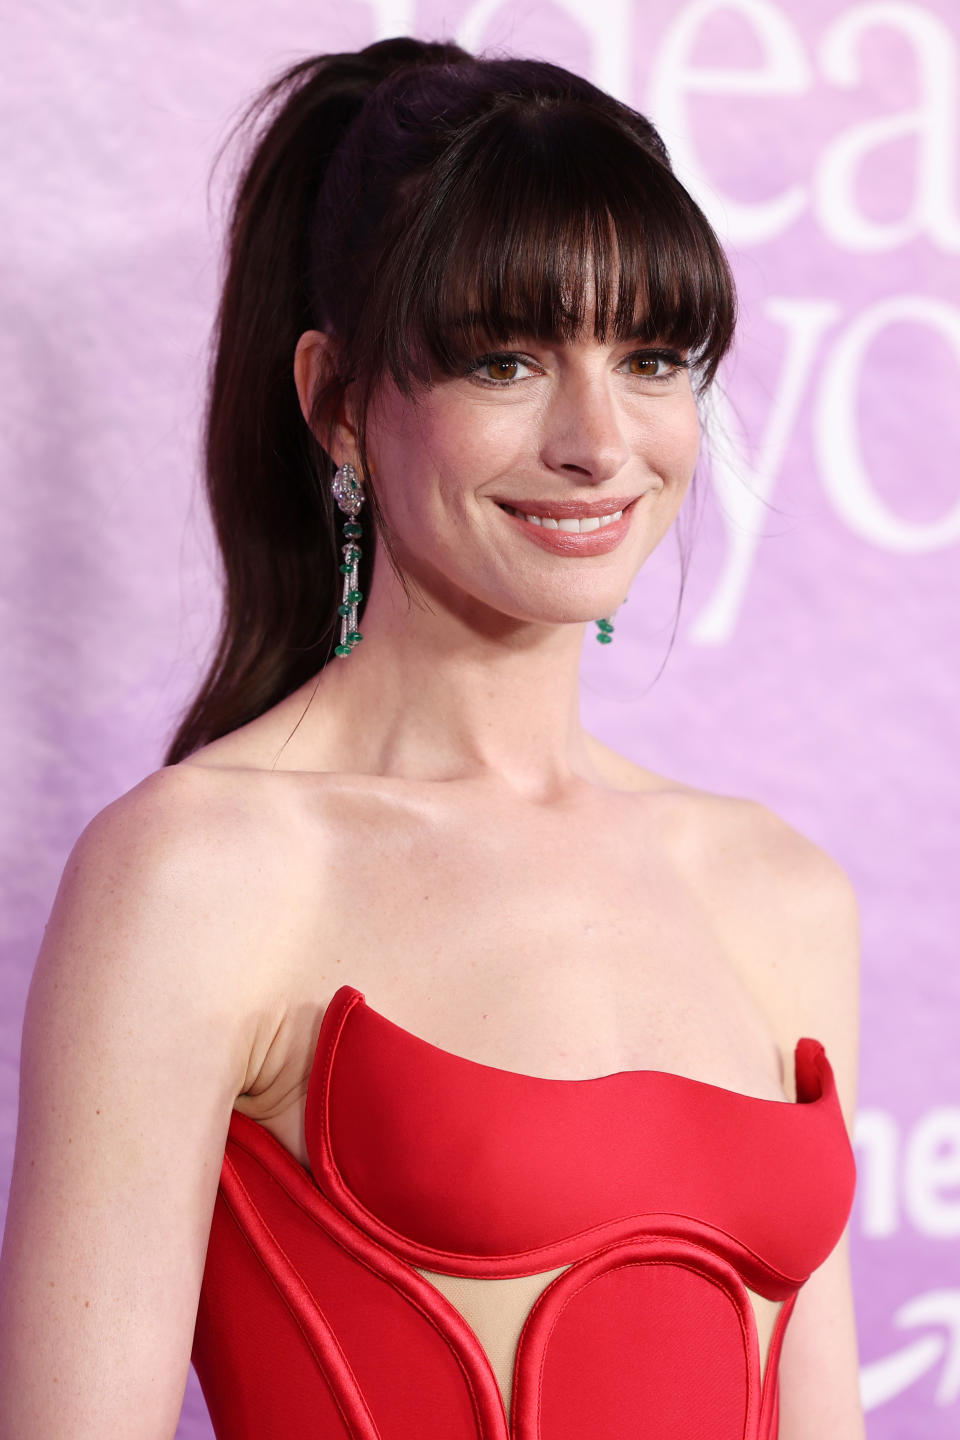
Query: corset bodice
[657, 1198]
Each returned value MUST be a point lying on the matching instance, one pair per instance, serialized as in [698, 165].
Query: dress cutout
[495, 1310]
[626, 1216]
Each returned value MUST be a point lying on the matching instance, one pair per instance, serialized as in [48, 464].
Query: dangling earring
[605, 628]
[348, 493]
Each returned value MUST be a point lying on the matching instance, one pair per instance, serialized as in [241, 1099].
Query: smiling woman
[472, 295]
[423, 212]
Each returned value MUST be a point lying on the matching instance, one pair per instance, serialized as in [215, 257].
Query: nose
[583, 433]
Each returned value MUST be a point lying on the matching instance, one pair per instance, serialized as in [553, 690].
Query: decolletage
[661, 1197]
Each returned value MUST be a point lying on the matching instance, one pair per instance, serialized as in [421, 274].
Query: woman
[399, 1051]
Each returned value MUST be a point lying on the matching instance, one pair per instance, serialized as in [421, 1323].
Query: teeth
[592, 522]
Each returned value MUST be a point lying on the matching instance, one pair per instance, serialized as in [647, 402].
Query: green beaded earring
[348, 493]
[605, 629]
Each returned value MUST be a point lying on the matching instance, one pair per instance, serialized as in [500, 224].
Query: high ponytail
[267, 478]
[412, 202]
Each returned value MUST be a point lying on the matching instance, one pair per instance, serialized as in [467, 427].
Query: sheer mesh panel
[496, 1311]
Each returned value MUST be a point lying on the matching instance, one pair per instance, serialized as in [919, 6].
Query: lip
[568, 542]
[570, 509]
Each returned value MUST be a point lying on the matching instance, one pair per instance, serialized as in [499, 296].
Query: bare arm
[818, 972]
[134, 1051]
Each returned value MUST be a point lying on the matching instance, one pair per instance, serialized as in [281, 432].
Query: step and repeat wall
[815, 665]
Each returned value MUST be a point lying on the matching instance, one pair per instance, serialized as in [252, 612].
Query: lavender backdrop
[816, 667]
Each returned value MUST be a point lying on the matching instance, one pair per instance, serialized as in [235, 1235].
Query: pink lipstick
[548, 534]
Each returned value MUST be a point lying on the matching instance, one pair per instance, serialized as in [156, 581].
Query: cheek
[450, 450]
[399, 445]
[673, 445]
[466, 436]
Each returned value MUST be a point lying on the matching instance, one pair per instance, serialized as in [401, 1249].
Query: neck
[448, 691]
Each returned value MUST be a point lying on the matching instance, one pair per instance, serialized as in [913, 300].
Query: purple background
[816, 663]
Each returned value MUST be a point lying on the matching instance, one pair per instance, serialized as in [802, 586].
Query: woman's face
[544, 427]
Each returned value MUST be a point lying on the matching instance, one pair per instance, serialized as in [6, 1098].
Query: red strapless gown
[661, 1196]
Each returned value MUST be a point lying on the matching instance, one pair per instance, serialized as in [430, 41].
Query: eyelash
[672, 357]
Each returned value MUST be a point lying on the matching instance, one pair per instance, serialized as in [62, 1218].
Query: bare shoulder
[149, 908]
[182, 828]
[177, 806]
[138, 1035]
[179, 866]
[792, 913]
[784, 908]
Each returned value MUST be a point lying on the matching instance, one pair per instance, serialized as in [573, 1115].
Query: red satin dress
[652, 1200]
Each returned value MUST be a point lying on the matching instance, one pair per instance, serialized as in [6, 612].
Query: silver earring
[348, 493]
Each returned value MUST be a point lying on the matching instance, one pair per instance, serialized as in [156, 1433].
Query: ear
[311, 367]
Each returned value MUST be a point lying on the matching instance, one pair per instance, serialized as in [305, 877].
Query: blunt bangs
[542, 221]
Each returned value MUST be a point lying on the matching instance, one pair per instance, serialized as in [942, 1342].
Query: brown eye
[644, 364]
[500, 368]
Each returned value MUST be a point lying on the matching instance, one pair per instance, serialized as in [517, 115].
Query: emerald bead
[605, 624]
[342, 650]
[355, 596]
[354, 637]
[346, 569]
[352, 529]
[343, 609]
[352, 552]
[604, 637]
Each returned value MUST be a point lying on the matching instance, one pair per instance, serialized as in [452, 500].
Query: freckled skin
[580, 420]
[575, 423]
[470, 657]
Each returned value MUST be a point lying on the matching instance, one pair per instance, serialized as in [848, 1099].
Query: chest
[556, 946]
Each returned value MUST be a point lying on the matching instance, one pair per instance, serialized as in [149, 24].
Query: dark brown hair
[418, 204]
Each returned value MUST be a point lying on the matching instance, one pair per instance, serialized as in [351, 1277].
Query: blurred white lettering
[876, 1140]
[842, 470]
[786, 71]
[932, 1173]
[933, 123]
[742, 484]
[927, 1165]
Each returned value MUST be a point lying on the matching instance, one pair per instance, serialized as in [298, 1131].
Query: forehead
[609, 248]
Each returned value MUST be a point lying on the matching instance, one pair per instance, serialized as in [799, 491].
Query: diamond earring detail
[348, 493]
